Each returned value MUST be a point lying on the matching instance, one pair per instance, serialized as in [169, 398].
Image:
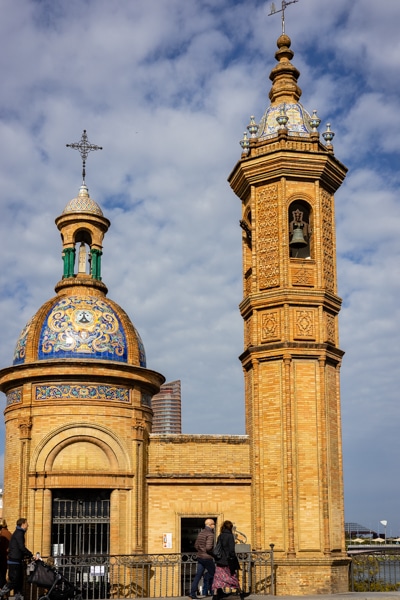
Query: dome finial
[282, 10]
[84, 147]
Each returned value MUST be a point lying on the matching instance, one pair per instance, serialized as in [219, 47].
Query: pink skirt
[223, 578]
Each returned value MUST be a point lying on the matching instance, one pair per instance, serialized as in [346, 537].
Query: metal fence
[98, 577]
[375, 569]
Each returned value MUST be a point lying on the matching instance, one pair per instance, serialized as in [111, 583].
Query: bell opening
[299, 229]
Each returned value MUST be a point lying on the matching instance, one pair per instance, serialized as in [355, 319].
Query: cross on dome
[84, 147]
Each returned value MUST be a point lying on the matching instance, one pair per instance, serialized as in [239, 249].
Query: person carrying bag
[226, 572]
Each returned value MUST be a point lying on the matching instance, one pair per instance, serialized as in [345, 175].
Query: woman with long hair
[226, 572]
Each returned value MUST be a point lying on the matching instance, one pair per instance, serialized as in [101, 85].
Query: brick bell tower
[78, 408]
[286, 179]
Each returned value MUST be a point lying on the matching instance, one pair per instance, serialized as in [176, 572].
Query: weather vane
[282, 10]
[84, 147]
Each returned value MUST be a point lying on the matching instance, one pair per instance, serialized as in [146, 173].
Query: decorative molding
[304, 324]
[248, 281]
[327, 241]
[247, 332]
[330, 326]
[270, 326]
[25, 427]
[268, 237]
[303, 276]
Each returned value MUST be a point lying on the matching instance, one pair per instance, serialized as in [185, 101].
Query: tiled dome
[83, 203]
[298, 122]
[76, 327]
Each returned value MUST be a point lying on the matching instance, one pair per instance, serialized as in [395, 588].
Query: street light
[384, 523]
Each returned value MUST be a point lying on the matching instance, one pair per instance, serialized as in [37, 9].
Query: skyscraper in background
[166, 406]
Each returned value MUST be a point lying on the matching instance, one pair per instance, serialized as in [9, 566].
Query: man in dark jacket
[17, 551]
[204, 545]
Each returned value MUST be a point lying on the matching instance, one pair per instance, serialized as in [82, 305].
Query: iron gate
[80, 522]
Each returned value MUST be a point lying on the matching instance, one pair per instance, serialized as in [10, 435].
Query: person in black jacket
[17, 552]
[226, 572]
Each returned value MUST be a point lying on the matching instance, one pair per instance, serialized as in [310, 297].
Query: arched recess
[300, 229]
[83, 235]
[104, 464]
[77, 436]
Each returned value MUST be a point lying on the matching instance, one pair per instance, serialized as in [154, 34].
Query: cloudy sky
[167, 88]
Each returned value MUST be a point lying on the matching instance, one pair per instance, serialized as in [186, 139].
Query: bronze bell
[297, 240]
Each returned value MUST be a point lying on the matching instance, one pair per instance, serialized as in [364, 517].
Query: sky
[167, 88]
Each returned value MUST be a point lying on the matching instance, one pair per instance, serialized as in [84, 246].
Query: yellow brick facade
[196, 476]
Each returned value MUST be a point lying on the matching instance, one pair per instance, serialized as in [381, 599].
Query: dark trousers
[15, 579]
[3, 574]
[203, 564]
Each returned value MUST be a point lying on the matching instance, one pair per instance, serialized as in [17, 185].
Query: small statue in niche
[82, 259]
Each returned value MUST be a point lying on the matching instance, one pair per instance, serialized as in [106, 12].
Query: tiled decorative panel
[79, 327]
[82, 392]
[14, 397]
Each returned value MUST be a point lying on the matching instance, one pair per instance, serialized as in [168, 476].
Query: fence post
[272, 570]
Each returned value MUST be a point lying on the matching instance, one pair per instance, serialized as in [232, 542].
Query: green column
[96, 263]
[69, 262]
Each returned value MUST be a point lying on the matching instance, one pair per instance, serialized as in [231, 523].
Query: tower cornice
[300, 350]
[294, 159]
[77, 370]
[280, 297]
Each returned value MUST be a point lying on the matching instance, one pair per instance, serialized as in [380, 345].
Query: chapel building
[78, 413]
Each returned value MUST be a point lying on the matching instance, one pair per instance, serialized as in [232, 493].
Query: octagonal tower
[286, 179]
[78, 411]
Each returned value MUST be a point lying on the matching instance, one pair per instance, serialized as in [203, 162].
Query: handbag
[218, 551]
[41, 574]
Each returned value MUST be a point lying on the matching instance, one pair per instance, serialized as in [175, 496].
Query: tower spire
[84, 147]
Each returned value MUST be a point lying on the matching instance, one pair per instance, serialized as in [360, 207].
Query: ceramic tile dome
[83, 203]
[76, 327]
[298, 120]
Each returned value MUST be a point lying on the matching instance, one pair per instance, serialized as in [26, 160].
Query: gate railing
[99, 577]
[375, 569]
